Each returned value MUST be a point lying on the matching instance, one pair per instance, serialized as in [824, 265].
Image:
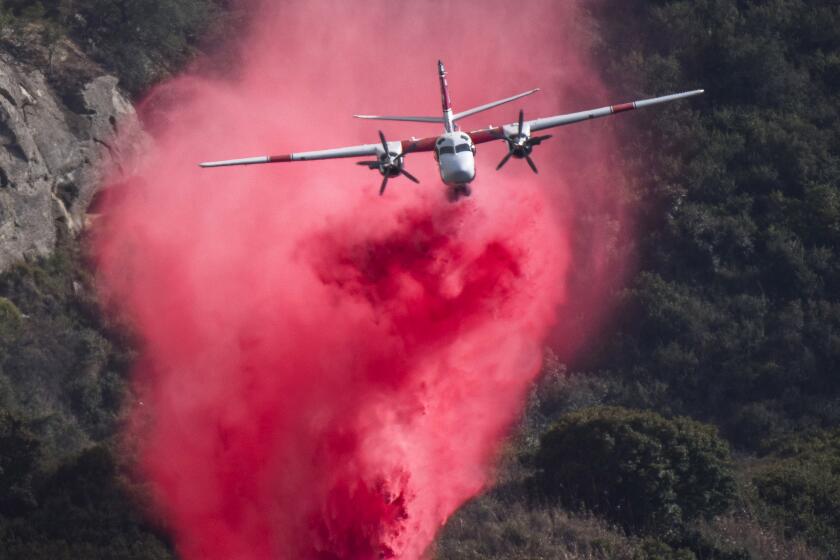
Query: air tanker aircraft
[454, 150]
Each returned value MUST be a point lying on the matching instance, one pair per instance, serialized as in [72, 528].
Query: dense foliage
[735, 313]
[800, 484]
[640, 470]
[62, 380]
[141, 41]
[732, 316]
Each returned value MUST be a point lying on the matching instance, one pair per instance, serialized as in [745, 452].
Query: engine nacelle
[520, 146]
[390, 164]
[520, 143]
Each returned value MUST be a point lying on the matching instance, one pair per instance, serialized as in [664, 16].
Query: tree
[641, 470]
[736, 312]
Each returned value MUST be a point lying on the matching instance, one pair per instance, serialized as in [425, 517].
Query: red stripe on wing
[419, 145]
[623, 107]
[278, 159]
[486, 135]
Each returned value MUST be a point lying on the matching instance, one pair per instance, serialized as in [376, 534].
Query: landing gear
[454, 194]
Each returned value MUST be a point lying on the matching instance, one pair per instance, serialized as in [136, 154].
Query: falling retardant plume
[326, 373]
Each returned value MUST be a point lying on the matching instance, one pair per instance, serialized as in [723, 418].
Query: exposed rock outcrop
[54, 148]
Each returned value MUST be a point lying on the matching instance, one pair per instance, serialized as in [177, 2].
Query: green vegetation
[638, 469]
[799, 484]
[62, 379]
[60, 363]
[141, 41]
[733, 315]
[726, 337]
[82, 510]
[64, 491]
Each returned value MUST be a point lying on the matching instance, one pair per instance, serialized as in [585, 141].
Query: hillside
[703, 423]
[731, 317]
[63, 368]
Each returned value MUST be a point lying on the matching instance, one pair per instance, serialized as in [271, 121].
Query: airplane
[454, 150]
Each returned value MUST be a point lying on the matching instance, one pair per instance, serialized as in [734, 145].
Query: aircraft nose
[461, 176]
[463, 171]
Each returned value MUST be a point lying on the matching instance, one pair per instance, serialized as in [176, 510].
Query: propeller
[521, 144]
[389, 164]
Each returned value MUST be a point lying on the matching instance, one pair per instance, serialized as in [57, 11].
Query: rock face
[54, 149]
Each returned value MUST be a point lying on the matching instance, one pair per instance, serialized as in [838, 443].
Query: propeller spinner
[521, 144]
[389, 164]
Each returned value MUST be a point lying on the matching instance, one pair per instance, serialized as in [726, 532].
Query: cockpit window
[462, 148]
[446, 150]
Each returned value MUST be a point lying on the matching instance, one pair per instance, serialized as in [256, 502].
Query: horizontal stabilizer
[408, 119]
[481, 108]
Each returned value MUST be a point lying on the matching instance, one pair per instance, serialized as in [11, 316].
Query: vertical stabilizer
[446, 102]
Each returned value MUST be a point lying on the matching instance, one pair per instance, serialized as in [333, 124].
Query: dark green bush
[19, 455]
[84, 512]
[801, 487]
[636, 468]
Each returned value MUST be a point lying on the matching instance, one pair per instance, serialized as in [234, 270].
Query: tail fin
[448, 119]
[445, 101]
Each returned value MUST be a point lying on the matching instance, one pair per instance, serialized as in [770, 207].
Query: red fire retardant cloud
[325, 373]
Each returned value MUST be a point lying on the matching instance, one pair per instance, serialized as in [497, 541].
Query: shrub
[19, 451]
[801, 489]
[10, 318]
[142, 40]
[641, 470]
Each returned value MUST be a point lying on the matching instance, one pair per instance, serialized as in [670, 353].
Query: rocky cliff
[56, 142]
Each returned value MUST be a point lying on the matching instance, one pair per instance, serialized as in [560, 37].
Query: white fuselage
[455, 154]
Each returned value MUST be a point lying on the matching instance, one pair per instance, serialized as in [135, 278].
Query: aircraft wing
[403, 146]
[498, 133]
[350, 151]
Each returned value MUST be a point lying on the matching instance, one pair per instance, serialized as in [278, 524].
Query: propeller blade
[384, 143]
[384, 184]
[521, 121]
[531, 163]
[369, 164]
[409, 176]
[504, 161]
